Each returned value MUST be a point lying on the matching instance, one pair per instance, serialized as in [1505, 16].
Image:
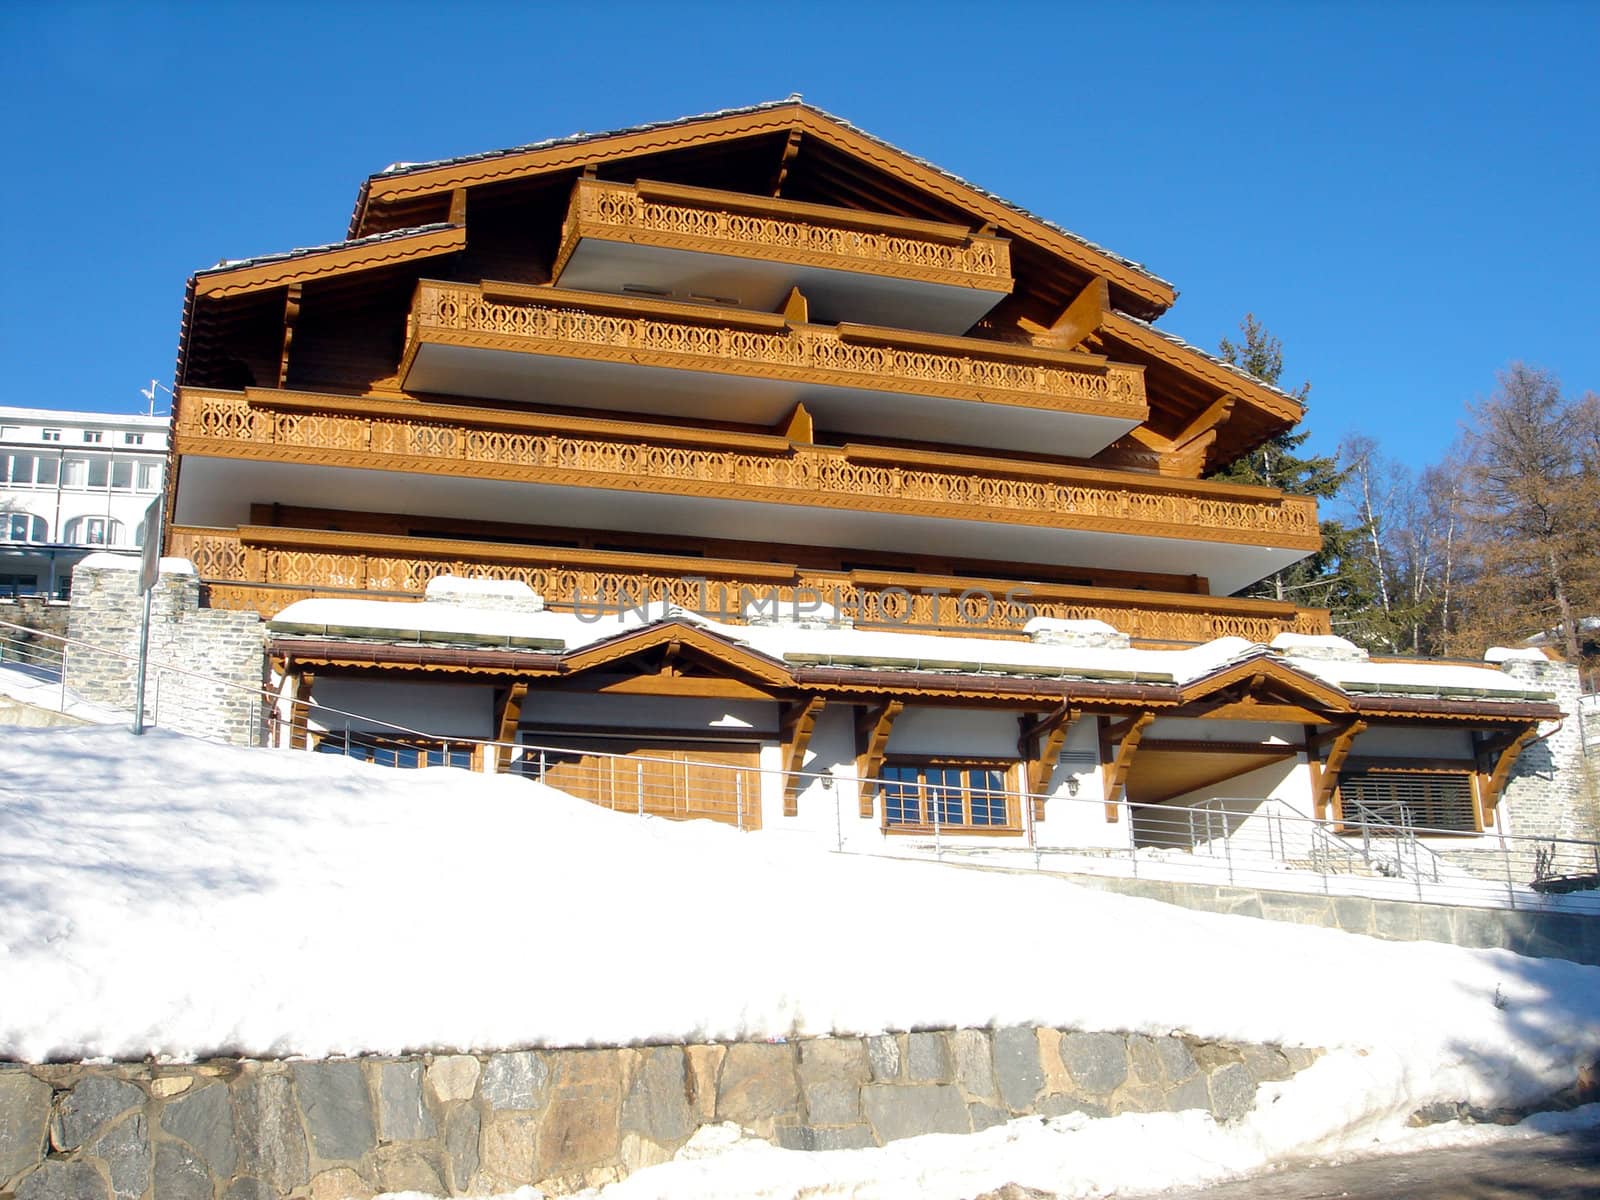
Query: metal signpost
[149, 572]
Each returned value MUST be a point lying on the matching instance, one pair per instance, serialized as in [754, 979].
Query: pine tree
[1317, 581]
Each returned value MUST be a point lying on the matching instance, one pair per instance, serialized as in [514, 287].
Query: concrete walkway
[1558, 1167]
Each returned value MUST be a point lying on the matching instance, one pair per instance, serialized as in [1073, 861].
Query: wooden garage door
[682, 780]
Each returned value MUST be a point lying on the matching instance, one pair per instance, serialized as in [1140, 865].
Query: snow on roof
[808, 644]
[78, 417]
[1182, 344]
[1319, 645]
[406, 168]
[235, 264]
[1443, 680]
[1500, 654]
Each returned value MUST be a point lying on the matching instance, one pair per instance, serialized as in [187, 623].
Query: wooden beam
[1041, 759]
[795, 307]
[1328, 771]
[799, 722]
[300, 708]
[506, 725]
[291, 314]
[713, 686]
[872, 742]
[1083, 316]
[791, 148]
[1505, 751]
[1127, 735]
[798, 427]
[458, 206]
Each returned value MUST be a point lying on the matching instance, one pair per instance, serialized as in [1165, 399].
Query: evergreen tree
[1317, 581]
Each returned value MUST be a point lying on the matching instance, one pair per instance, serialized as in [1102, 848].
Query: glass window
[18, 468]
[133, 439]
[46, 467]
[953, 795]
[99, 472]
[50, 435]
[94, 531]
[149, 477]
[23, 527]
[93, 435]
[74, 472]
[122, 474]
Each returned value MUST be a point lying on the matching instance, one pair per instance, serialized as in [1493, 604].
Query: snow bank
[168, 897]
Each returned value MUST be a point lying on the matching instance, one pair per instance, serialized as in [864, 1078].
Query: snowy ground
[164, 896]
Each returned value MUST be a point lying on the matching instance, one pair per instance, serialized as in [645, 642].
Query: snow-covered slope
[164, 896]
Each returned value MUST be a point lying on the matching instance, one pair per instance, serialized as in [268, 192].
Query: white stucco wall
[438, 709]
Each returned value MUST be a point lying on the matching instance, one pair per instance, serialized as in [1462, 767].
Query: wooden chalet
[916, 491]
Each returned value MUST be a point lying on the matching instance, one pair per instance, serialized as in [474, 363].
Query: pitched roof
[403, 169]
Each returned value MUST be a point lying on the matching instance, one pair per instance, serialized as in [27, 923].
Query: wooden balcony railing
[673, 217]
[752, 345]
[673, 460]
[266, 568]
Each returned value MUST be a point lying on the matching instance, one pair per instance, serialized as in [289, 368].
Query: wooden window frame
[461, 754]
[1008, 769]
[1415, 767]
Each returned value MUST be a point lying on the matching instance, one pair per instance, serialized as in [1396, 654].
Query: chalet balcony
[266, 568]
[567, 349]
[487, 464]
[669, 241]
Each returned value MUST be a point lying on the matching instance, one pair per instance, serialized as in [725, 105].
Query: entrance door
[717, 781]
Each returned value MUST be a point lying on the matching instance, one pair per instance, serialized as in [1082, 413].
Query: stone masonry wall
[227, 646]
[1552, 793]
[240, 1129]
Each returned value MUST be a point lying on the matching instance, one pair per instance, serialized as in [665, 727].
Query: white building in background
[71, 483]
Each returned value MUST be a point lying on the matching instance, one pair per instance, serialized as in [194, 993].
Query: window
[149, 477]
[133, 439]
[93, 435]
[50, 435]
[94, 531]
[953, 795]
[74, 472]
[99, 472]
[387, 751]
[1411, 798]
[23, 527]
[16, 468]
[122, 475]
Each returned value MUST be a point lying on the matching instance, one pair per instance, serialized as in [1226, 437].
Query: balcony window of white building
[94, 531]
[23, 527]
[149, 477]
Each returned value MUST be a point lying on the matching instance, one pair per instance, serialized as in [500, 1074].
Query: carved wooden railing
[265, 569]
[696, 219]
[406, 436]
[634, 331]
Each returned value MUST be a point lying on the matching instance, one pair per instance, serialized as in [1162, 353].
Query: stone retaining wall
[241, 1129]
[224, 647]
[1573, 936]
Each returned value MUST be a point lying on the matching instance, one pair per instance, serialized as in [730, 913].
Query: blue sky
[1405, 193]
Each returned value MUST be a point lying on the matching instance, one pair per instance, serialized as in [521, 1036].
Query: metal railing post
[738, 798]
[1227, 849]
[938, 848]
[61, 705]
[1511, 890]
[638, 783]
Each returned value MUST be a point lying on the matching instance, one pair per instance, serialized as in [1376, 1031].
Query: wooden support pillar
[796, 307]
[1041, 756]
[1496, 758]
[799, 722]
[872, 742]
[791, 148]
[300, 708]
[1083, 316]
[1126, 735]
[291, 314]
[510, 714]
[1327, 776]
[458, 207]
[798, 427]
